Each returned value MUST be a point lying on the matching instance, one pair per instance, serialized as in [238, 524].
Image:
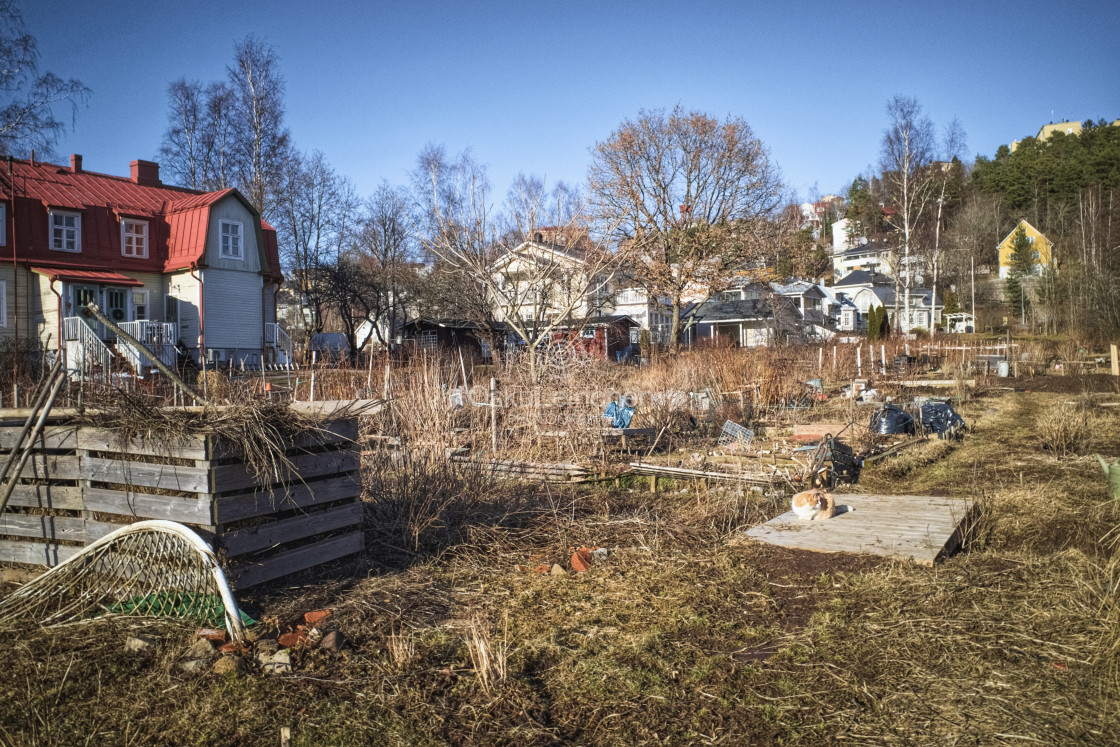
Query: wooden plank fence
[83, 483]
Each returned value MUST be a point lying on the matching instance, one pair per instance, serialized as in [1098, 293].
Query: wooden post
[653, 484]
[859, 362]
[1115, 361]
[314, 354]
[883, 357]
[833, 360]
[820, 360]
[851, 407]
[494, 414]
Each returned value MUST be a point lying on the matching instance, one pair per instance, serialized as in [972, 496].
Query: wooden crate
[82, 483]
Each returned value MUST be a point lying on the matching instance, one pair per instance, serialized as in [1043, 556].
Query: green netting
[205, 608]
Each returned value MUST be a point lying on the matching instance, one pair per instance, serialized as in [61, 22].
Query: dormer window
[134, 238]
[66, 232]
[230, 235]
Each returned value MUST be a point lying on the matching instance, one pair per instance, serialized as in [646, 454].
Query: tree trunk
[675, 327]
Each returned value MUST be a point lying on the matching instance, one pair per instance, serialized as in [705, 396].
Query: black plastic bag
[940, 418]
[891, 420]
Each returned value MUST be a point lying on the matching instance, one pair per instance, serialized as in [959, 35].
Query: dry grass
[488, 658]
[681, 636]
[927, 452]
[1064, 430]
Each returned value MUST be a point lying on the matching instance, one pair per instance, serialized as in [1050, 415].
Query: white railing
[275, 336]
[85, 351]
[157, 337]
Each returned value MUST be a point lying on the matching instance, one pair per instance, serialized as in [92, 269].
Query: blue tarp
[620, 415]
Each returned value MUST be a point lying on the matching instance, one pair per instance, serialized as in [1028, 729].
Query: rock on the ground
[201, 649]
[333, 641]
[277, 663]
[226, 664]
[194, 665]
[266, 646]
[140, 644]
[558, 570]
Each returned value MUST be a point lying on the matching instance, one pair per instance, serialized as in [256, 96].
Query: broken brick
[211, 634]
[289, 640]
[316, 616]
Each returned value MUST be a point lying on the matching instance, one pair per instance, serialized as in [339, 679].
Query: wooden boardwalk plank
[921, 528]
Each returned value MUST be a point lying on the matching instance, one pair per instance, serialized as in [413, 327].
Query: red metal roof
[102, 277]
[177, 218]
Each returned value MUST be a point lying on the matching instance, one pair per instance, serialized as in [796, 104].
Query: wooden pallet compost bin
[82, 483]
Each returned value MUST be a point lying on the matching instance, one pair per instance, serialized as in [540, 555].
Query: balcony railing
[157, 337]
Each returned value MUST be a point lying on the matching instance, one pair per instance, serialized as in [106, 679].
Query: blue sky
[532, 86]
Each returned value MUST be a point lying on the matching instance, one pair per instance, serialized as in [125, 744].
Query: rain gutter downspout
[15, 244]
[61, 342]
[201, 314]
[264, 337]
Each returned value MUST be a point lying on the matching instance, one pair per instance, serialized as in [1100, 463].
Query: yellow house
[1046, 131]
[1041, 246]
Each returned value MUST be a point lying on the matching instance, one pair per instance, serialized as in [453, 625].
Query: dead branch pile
[258, 432]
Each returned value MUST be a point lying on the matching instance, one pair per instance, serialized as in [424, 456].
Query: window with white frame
[139, 305]
[230, 235]
[134, 238]
[429, 340]
[66, 232]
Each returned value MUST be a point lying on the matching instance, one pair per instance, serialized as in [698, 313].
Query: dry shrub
[1063, 430]
[214, 385]
[18, 369]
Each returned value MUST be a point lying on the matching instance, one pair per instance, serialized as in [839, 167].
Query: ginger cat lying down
[814, 504]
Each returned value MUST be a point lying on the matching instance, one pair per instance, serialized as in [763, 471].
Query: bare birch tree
[907, 150]
[690, 195]
[948, 171]
[263, 141]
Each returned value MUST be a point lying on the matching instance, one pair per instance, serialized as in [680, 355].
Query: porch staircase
[278, 340]
[89, 356]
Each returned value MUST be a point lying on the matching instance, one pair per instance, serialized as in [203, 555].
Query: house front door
[82, 296]
[116, 305]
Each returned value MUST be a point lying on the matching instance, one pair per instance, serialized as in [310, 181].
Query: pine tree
[872, 324]
[1022, 265]
[1022, 254]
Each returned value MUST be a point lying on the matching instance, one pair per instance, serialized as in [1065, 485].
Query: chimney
[145, 173]
[76, 163]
